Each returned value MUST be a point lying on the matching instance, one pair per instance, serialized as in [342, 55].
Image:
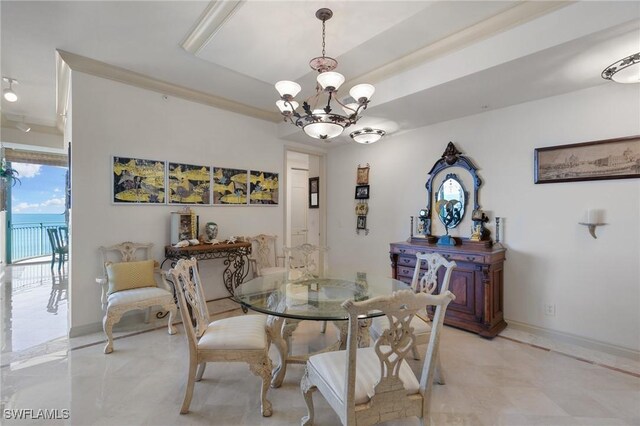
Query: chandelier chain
[323, 44]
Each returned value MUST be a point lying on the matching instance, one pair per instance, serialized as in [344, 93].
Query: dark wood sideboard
[477, 282]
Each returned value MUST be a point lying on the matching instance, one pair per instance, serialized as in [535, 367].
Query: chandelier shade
[320, 116]
[286, 107]
[626, 70]
[288, 89]
[362, 92]
[330, 81]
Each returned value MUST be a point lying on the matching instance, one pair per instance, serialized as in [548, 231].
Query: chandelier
[320, 119]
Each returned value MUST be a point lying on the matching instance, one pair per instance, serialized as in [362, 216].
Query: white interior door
[299, 207]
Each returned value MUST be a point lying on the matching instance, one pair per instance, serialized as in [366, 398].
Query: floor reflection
[34, 305]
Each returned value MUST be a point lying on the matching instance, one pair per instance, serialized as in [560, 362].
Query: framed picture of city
[597, 160]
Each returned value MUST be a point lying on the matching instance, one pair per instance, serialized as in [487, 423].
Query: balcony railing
[30, 240]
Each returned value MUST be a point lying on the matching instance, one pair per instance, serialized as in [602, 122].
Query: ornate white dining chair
[300, 261]
[376, 384]
[264, 257]
[300, 265]
[236, 339]
[426, 283]
[129, 283]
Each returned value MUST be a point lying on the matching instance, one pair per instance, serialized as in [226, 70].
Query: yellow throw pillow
[129, 275]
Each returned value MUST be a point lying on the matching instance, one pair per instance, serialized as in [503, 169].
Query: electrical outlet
[550, 310]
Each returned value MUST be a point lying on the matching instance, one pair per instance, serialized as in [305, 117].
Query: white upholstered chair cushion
[331, 367]
[126, 297]
[420, 326]
[241, 332]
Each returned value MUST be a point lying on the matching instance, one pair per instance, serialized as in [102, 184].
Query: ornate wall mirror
[450, 200]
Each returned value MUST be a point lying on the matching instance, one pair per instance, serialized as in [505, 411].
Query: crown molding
[132, 78]
[517, 15]
[216, 14]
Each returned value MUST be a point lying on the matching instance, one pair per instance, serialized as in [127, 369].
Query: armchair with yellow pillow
[129, 283]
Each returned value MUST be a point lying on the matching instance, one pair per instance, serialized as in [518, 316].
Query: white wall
[110, 118]
[595, 284]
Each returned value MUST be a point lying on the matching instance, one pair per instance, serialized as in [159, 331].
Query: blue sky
[41, 191]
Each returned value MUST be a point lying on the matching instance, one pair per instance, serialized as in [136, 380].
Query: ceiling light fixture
[626, 70]
[367, 135]
[8, 93]
[320, 120]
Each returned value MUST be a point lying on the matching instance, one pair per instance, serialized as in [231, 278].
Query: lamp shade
[367, 135]
[9, 95]
[288, 89]
[286, 107]
[324, 128]
[330, 80]
[362, 92]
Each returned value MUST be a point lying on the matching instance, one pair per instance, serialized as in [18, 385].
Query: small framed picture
[362, 192]
[362, 209]
[314, 192]
[363, 175]
[362, 222]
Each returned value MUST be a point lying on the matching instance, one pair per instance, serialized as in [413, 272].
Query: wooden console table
[236, 259]
[477, 282]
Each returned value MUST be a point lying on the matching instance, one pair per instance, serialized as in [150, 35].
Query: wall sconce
[594, 218]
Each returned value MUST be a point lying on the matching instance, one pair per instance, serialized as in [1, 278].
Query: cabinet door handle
[446, 256]
[406, 260]
[403, 250]
[471, 258]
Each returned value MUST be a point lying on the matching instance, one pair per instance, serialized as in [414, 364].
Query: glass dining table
[287, 302]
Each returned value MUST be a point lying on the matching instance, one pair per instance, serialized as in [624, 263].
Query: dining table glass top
[313, 298]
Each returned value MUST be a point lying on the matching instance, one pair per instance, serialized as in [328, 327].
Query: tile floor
[505, 381]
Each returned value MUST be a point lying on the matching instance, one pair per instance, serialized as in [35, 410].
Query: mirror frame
[451, 158]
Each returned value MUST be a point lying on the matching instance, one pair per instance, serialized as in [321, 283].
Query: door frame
[322, 168]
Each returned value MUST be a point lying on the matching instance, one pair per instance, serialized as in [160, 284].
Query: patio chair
[59, 245]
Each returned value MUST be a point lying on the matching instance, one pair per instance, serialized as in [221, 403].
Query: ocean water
[37, 218]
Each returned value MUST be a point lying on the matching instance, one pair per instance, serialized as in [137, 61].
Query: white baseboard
[584, 342]
[81, 330]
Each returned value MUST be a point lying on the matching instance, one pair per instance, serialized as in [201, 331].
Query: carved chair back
[428, 282]
[263, 251]
[123, 252]
[300, 261]
[193, 305]
[395, 342]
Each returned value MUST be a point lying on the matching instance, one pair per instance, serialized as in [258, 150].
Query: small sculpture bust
[210, 232]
